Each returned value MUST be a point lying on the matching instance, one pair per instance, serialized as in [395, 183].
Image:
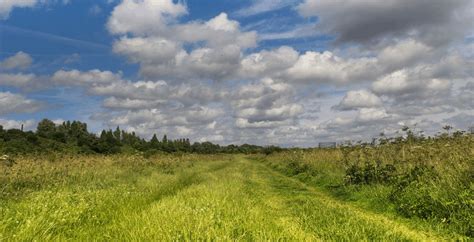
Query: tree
[165, 139]
[117, 134]
[46, 128]
[154, 142]
[107, 143]
[447, 128]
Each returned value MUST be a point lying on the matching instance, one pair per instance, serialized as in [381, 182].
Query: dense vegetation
[56, 183]
[429, 178]
[73, 137]
[183, 197]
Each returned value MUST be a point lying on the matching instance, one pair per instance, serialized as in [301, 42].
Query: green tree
[117, 134]
[46, 128]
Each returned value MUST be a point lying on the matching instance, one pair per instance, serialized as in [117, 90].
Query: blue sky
[269, 72]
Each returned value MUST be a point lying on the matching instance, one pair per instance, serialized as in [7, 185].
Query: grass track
[234, 199]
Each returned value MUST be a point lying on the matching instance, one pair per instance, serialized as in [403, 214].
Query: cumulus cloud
[435, 22]
[150, 51]
[6, 6]
[153, 17]
[131, 104]
[268, 62]
[16, 103]
[78, 78]
[204, 78]
[359, 99]
[326, 67]
[18, 80]
[406, 81]
[166, 120]
[20, 60]
[17, 124]
[265, 104]
[461, 121]
[413, 92]
[404, 53]
[157, 42]
[464, 96]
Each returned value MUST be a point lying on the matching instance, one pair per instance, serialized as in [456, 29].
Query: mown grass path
[236, 199]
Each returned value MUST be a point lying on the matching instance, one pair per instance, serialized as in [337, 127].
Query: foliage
[370, 173]
[73, 137]
[180, 197]
[430, 178]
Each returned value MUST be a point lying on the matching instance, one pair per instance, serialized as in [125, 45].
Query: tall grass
[427, 178]
[74, 196]
[400, 190]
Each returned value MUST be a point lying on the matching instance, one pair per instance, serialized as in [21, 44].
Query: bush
[424, 193]
[369, 173]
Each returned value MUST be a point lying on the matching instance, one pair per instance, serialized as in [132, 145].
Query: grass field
[188, 197]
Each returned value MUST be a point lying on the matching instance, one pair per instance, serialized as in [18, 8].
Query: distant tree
[117, 134]
[46, 128]
[107, 143]
[447, 128]
[154, 142]
[165, 139]
[73, 136]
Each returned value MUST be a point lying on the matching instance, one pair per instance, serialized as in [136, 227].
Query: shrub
[369, 173]
[426, 194]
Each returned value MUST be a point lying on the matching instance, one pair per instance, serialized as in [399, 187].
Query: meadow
[402, 189]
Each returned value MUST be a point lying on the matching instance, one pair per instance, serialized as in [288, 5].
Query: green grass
[426, 180]
[185, 198]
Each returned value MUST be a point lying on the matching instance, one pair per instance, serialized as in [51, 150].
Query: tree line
[73, 136]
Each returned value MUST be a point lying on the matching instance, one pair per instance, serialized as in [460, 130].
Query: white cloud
[222, 22]
[267, 63]
[315, 67]
[20, 60]
[265, 104]
[17, 124]
[15, 103]
[151, 51]
[90, 78]
[371, 114]
[152, 18]
[157, 43]
[404, 53]
[131, 104]
[17, 80]
[6, 6]
[165, 120]
[359, 99]
[202, 79]
[405, 81]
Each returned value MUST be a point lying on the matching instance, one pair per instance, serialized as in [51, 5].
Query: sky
[267, 72]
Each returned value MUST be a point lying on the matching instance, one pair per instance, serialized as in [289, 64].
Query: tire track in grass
[273, 204]
[337, 214]
[229, 205]
[184, 179]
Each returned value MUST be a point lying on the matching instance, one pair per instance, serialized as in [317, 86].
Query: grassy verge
[72, 197]
[427, 180]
